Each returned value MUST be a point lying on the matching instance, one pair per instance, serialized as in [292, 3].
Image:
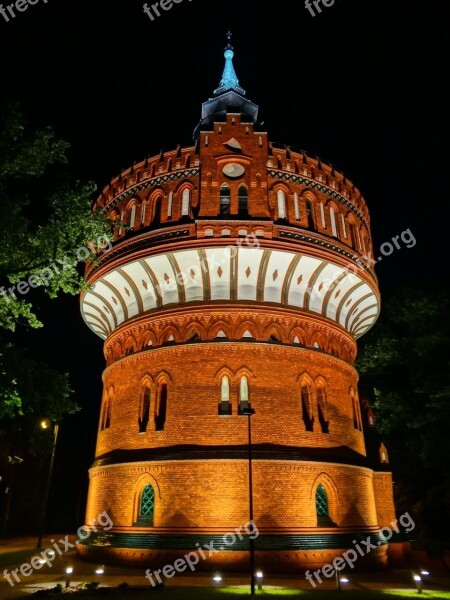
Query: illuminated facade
[236, 278]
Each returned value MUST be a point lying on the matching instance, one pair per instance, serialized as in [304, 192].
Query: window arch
[185, 202]
[281, 203]
[144, 409]
[105, 419]
[243, 200]
[322, 508]
[147, 506]
[354, 233]
[225, 200]
[310, 215]
[157, 210]
[133, 216]
[225, 406]
[321, 501]
[306, 400]
[334, 230]
[243, 394]
[322, 406]
[161, 407]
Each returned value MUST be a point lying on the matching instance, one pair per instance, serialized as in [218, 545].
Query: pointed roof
[228, 97]
[229, 79]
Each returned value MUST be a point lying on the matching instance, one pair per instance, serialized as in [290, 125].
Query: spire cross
[229, 36]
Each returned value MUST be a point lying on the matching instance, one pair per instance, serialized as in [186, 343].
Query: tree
[405, 366]
[47, 230]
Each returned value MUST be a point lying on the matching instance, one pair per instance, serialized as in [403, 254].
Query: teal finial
[229, 79]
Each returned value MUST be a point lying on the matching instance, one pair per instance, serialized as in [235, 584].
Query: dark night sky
[363, 85]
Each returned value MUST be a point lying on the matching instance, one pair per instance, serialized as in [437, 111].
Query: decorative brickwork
[237, 277]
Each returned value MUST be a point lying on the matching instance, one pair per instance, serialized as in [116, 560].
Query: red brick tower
[236, 278]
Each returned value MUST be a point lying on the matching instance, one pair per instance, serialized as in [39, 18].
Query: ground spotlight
[345, 580]
[69, 571]
[100, 570]
[217, 579]
[424, 572]
[259, 577]
[419, 583]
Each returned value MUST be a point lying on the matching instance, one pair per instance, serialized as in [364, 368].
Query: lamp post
[249, 412]
[46, 424]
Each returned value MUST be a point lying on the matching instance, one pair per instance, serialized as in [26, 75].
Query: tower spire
[228, 97]
[229, 79]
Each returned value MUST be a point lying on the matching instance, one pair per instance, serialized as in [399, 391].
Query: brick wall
[193, 375]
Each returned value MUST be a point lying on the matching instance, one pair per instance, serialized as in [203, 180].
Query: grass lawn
[203, 593]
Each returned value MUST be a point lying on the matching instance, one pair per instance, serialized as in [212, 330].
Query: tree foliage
[405, 367]
[46, 220]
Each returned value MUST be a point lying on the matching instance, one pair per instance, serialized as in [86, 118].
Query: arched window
[243, 200]
[354, 235]
[322, 407]
[243, 394]
[225, 406]
[310, 214]
[307, 415]
[144, 410]
[169, 205]
[333, 222]
[133, 216]
[147, 506]
[157, 211]
[321, 505]
[281, 201]
[105, 420]
[225, 199]
[161, 408]
[185, 202]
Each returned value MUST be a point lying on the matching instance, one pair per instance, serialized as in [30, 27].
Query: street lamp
[46, 424]
[249, 412]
